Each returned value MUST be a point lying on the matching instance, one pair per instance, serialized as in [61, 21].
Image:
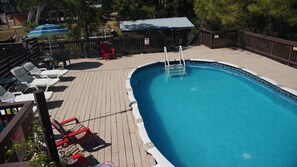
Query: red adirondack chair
[106, 51]
[74, 134]
[70, 154]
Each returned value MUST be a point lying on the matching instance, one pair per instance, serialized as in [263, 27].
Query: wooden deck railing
[218, 39]
[12, 55]
[18, 128]
[280, 50]
[90, 48]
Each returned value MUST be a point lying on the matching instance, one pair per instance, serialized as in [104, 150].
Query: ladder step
[178, 67]
[177, 74]
[176, 70]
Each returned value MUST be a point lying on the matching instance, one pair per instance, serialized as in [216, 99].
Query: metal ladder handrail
[181, 56]
[172, 68]
[166, 61]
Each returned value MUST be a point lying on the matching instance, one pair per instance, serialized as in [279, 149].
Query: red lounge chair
[75, 134]
[71, 154]
[106, 51]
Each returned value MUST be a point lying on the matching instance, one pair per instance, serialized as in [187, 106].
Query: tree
[272, 17]
[86, 17]
[221, 14]
[145, 9]
[134, 10]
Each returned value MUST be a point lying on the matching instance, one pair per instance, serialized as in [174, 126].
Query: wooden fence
[90, 48]
[280, 50]
[18, 128]
[218, 39]
[12, 55]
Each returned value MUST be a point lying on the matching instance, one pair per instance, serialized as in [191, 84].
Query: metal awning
[161, 23]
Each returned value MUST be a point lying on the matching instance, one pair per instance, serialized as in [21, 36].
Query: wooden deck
[94, 91]
[98, 98]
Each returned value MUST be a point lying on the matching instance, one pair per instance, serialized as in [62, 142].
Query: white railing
[181, 56]
[166, 60]
[175, 69]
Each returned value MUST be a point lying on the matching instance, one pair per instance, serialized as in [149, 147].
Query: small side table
[47, 60]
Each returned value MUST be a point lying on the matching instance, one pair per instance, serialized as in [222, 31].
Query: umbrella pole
[51, 52]
[49, 39]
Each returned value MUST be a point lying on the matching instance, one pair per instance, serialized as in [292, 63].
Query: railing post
[211, 39]
[290, 55]
[46, 123]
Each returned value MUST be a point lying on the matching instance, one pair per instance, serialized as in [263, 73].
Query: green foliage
[133, 10]
[221, 14]
[271, 17]
[34, 147]
[87, 18]
[274, 17]
[142, 9]
[25, 5]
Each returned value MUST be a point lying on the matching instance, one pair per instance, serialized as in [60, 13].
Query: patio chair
[31, 82]
[106, 51]
[43, 72]
[73, 134]
[63, 57]
[71, 154]
[6, 96]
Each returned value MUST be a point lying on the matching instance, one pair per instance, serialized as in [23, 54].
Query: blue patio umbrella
[47, 30]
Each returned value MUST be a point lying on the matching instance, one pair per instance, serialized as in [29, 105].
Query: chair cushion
[44, 82]
[54, 73]
[30, 67]
[30, 96]
[7, 97]
[21, 74]
[2, 90]
[35, 71]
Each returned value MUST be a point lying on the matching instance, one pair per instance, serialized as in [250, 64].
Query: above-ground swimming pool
[217, 115]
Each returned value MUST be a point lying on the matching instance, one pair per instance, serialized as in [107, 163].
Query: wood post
[46, 123]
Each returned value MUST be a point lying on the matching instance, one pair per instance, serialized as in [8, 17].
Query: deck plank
[97, 108]
[107, 152]
[114, 111]
[101, 155]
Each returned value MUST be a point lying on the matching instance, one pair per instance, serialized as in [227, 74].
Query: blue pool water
[215, 117]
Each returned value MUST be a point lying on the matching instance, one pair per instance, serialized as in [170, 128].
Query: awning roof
[162, 23]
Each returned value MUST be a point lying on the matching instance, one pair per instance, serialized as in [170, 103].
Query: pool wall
[147, 143]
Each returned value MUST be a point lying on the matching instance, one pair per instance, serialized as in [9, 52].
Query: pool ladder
[177, 67]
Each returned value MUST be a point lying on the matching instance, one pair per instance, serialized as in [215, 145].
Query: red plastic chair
[74, 134]
[71, 154]
[106, 51]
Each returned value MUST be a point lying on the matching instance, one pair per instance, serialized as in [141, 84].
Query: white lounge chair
[43, 72]
[21, 74]
[6, 96]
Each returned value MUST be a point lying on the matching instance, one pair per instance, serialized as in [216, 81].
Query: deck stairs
[177, 67]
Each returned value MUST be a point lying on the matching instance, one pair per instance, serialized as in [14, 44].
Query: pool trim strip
[147, 143]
